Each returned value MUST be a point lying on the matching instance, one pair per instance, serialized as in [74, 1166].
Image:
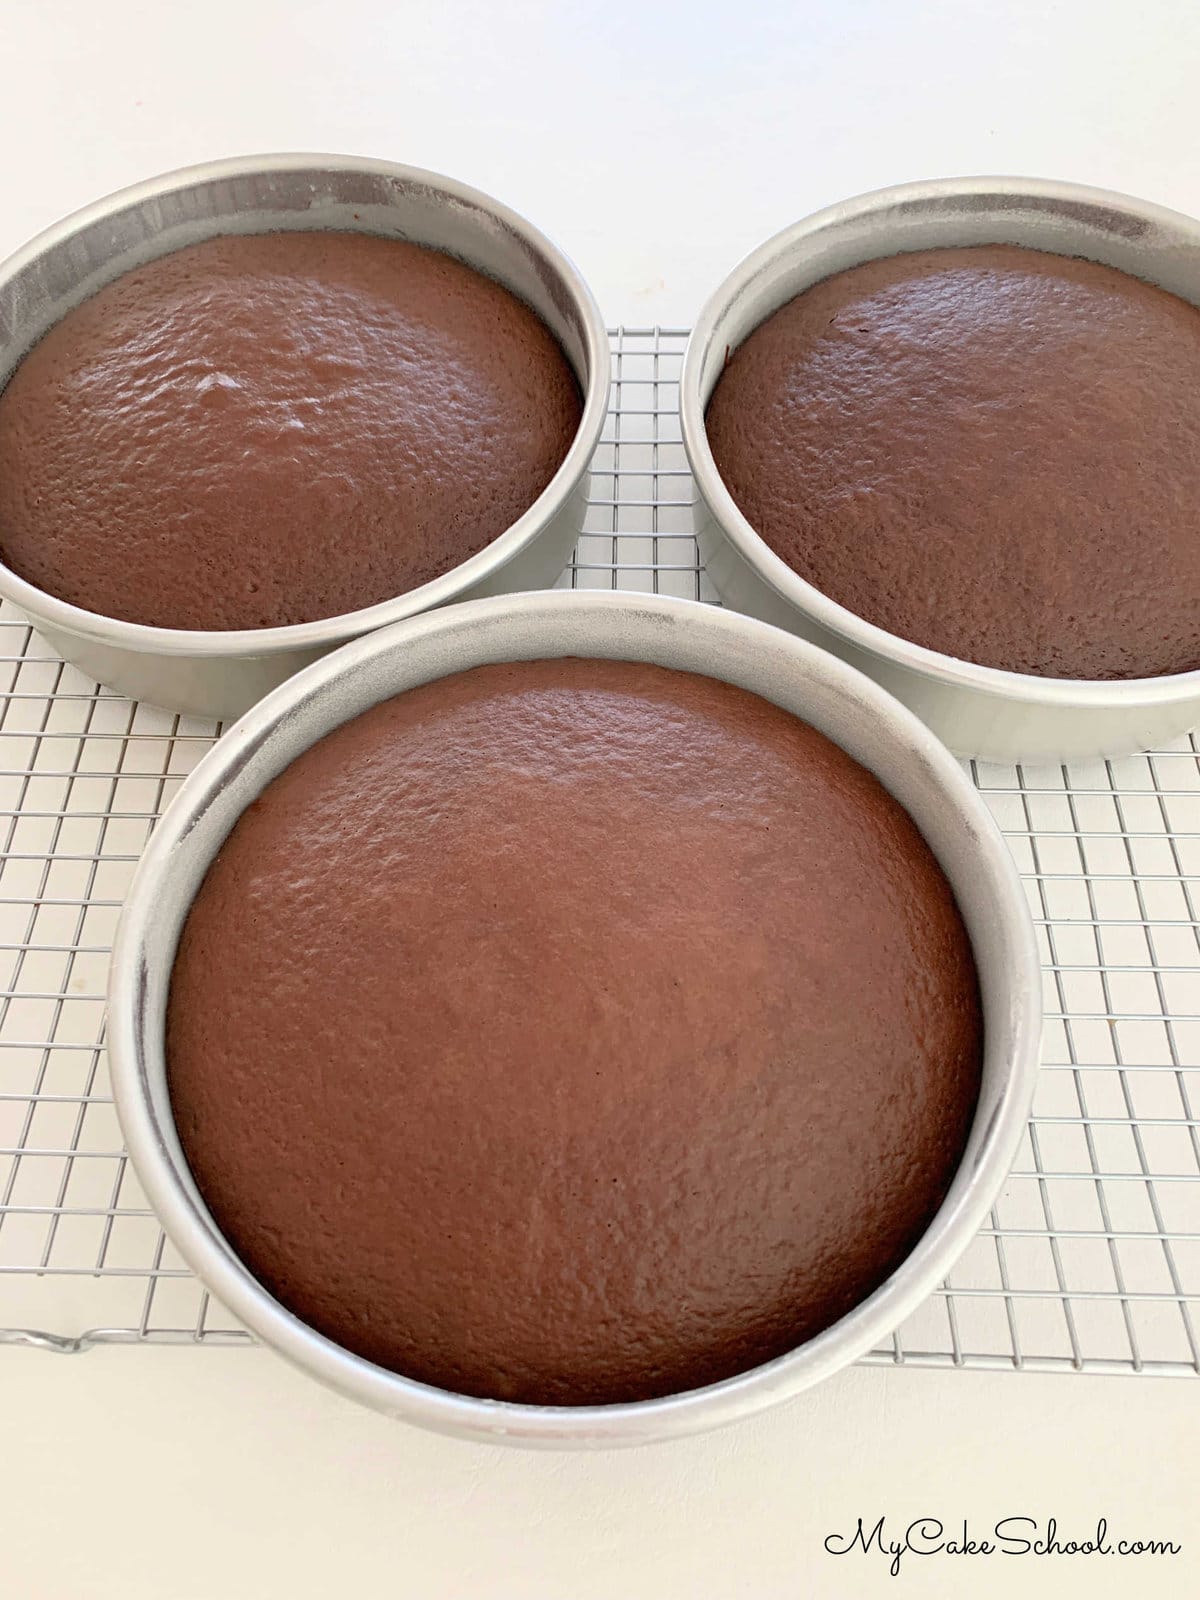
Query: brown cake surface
[271, 429]
[573, 1031]
[992, 452]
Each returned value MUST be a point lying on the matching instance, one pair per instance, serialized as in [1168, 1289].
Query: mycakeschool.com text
[1009, 1536]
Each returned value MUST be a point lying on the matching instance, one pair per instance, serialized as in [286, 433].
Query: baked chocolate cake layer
[275, 428]
[992, 452]
[573, 1031]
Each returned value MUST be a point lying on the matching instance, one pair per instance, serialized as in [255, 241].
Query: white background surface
[657, 150]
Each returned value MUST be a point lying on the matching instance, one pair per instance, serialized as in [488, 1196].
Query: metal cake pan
[977, 710]
[842, 703]
[221, 673]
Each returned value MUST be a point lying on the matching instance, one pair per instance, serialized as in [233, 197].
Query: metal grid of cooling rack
[1091, 1258]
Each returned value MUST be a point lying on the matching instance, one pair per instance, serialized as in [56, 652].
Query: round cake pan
[840, 702]
[978, 711]
[221, 674]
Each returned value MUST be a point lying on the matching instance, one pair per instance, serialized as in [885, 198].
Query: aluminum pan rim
[197, 1238]
[329, 631]
[1018, 687]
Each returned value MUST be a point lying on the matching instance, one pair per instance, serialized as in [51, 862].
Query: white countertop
[655, 143]
[222, 1475]
[657, 149]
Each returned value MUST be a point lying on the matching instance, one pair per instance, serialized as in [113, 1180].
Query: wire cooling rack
[1090, 1260]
